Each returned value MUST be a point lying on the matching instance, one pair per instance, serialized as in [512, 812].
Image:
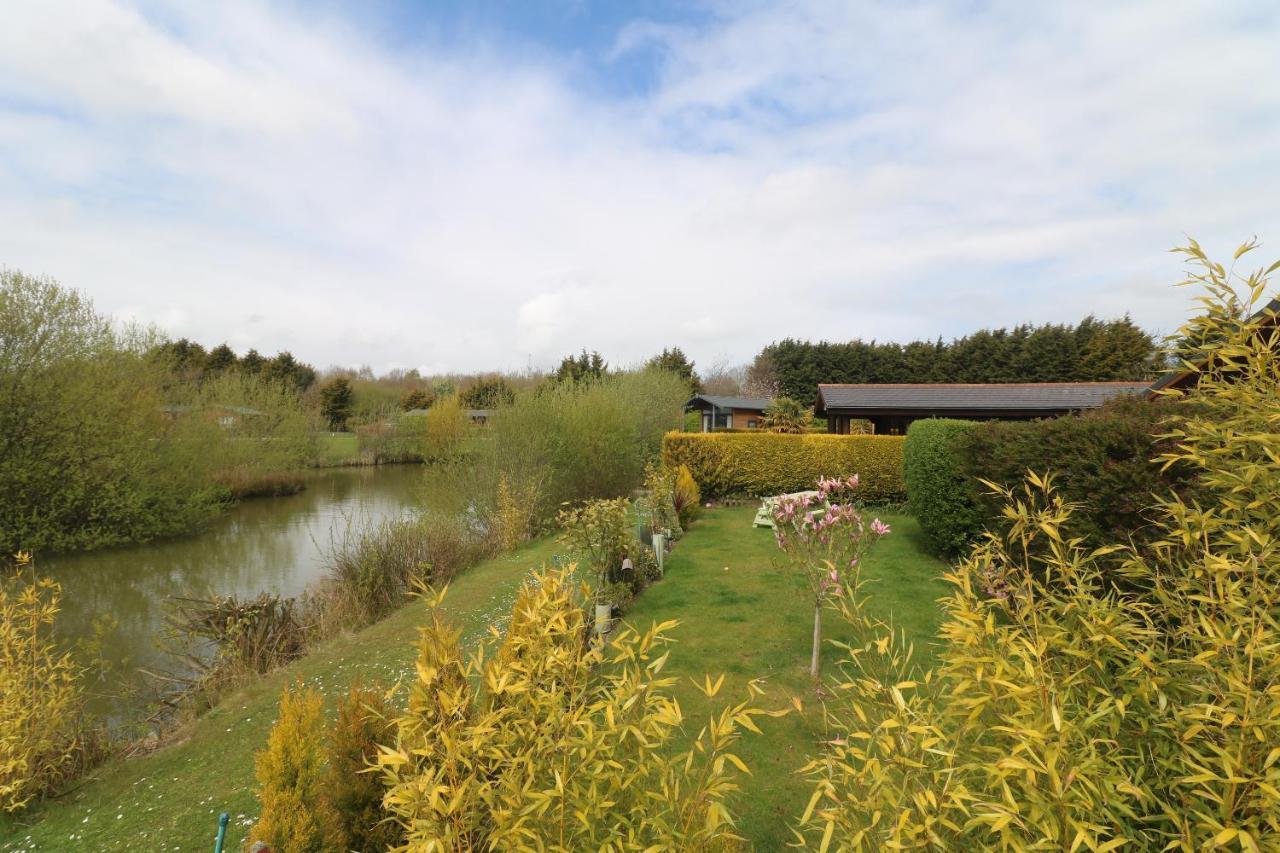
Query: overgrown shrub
[940, 487]
[290, 774]
[761, 464]
[373, 568]
[352, 794]
[598, 535]
[574, 441]
[219, 642]
[568, 747]
[88, 455]
[1069, 713]
[41, 723]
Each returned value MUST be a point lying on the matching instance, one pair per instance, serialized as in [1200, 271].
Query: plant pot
[604, 618]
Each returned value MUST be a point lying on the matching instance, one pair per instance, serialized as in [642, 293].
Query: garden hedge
[940, 489]
[1102, 462]
[765, 463]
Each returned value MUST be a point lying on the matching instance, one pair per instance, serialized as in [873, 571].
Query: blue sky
[467, 186]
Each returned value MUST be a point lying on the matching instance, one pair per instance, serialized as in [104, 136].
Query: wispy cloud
[810, 169]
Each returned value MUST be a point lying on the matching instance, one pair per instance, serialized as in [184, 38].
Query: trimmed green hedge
[765, 463]
[940, 489]
[1102, 462]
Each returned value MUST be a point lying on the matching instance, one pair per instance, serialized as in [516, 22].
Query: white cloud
[814, 169]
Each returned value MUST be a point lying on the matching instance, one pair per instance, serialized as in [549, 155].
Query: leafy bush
[686, 496]
[290, 774]
[940, 487]
[569, 442]
[569, 746]
[1105, 461]
[352, 795]
[768, 463]
[88, 455]
[598, 534]
[1066, 712]
[659, 509]
[40, 693]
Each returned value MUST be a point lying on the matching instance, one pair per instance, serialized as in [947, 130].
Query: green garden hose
[222, 832]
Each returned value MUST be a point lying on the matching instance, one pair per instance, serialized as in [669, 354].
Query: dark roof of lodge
[708, 401]
[995, 397]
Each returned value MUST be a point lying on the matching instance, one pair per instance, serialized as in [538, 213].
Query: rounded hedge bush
[940, 491]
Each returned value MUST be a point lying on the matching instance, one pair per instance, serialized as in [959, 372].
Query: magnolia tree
[824, 538]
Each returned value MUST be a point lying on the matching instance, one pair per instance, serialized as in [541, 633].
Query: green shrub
[352, 794]
[564, 443]
[758, 463]
[940, 488]
[1104, 461]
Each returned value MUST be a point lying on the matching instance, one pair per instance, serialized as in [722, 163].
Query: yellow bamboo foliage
[1068, 712]
[552, 742]
[40, 696]
[290, 775]
[514, 512]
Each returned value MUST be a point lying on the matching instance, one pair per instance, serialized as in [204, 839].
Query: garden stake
[222, 832]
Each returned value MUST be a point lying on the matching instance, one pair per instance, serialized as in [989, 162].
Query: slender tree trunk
[817, 640]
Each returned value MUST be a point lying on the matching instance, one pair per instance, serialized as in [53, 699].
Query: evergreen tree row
[192, 362]
[1092, 350]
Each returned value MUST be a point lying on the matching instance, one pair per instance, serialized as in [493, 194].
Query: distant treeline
[1092, 350]
[191, 361]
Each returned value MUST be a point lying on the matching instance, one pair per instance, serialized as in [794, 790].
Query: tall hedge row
[763, 463]
[940, 488]
[1102, 461]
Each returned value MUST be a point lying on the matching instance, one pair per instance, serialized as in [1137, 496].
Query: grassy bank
[737, 615]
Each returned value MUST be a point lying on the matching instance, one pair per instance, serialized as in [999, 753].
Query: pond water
[264, 544]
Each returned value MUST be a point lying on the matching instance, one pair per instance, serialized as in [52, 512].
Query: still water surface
[265, 544]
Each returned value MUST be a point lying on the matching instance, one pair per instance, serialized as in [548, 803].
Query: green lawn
[337, 448]
[738, 616]
[741, 617]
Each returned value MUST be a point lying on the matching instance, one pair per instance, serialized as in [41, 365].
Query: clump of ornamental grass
[686, 496]
[823, 537]
[552, 742]
[1065, 712]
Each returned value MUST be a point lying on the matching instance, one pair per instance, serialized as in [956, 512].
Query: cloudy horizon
[491, 186]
